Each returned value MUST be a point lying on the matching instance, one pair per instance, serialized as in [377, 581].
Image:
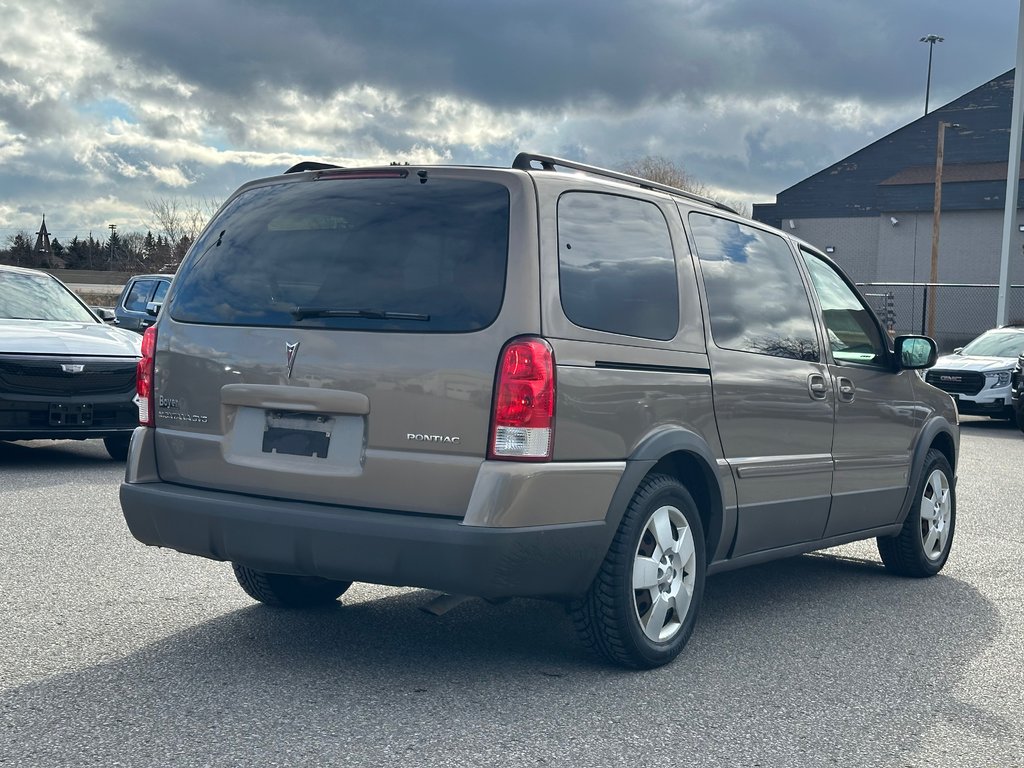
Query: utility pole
[110, 259]
[931, 40]
[940, 148]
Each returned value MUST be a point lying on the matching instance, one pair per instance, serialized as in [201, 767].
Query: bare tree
[131, 257]
[664, 171]
[176, 218]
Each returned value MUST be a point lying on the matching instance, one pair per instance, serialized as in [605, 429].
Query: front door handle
[847, 392]
[817, 387]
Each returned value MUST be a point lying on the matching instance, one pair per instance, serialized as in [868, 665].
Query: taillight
[144, 378]
[524, 402]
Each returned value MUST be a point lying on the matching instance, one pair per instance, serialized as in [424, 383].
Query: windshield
[371, 254]
[996, 344]
[27, 296]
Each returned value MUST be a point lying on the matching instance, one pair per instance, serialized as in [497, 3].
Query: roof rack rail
[524, 162]
[311, 165]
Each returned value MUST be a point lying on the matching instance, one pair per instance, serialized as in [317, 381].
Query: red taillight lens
[144, 378]
[524, 402]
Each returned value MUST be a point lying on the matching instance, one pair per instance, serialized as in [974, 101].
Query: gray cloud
[535, 53]
[124, 101]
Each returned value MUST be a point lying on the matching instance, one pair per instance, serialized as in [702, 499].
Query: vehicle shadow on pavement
[49, 453]
[807, 661]
[979, 425]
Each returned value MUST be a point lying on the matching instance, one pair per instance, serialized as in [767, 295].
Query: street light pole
[931, 40]
[940, 149]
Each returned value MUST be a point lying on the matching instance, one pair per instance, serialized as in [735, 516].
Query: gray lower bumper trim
[363, 545]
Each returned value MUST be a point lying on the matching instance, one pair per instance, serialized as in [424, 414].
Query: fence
[961, 310]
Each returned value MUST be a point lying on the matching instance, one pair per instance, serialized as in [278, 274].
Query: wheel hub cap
[663, 574]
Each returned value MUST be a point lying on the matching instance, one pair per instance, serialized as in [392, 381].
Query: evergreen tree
[21, 250]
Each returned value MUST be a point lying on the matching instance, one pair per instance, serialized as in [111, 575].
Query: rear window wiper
[301, 313]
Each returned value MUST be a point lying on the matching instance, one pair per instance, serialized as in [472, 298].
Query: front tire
[922, 547]
[286, 591]
[642, 606]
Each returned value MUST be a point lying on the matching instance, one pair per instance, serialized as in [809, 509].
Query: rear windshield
[367, 254]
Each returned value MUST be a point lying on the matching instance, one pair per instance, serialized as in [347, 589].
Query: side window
[853, 334]
[756, 298]
[161, 290]
[616, 268]
[138, 295]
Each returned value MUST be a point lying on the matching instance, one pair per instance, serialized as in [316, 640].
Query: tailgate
[364, 419]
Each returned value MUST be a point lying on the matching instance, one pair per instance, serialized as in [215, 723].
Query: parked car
[1017, 391]
[134, 310]
[64, 374]
[519, 381]
[978, 375]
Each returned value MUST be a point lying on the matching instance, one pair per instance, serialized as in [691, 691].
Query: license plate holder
[297, 434]
[73, 415]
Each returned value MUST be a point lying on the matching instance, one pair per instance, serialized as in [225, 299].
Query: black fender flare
[933, 428]
[648, 452]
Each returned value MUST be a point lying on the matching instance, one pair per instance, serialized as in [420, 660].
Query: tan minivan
[550, 380]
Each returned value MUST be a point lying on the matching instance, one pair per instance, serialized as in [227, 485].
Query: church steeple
[43, 243]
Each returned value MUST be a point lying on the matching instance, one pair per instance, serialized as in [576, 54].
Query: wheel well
[700, 482]
[943, 443]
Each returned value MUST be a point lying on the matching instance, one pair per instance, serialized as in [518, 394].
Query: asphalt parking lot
[115, 654]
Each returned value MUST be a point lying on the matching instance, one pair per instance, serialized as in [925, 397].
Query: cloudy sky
[108, 104]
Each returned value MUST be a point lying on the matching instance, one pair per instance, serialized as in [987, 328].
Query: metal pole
[931, 40]
[928, 82]
[936, 218]
[924, 310]
[1012, 176]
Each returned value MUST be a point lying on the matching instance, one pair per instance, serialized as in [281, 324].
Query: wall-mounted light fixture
[830, 249]
[792, 224]
[1020, 227]
[893, 220]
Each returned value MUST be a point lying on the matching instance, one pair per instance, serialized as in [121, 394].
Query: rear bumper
[352, 544]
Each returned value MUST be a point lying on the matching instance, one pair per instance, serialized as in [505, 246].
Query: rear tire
[642, 606]
[1019, 418]
[922, 547]
[117, 446]
[286, 591]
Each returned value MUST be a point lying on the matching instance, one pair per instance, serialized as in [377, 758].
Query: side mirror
[958, 350]
[915, 352]
[104, 313]
[153, 308]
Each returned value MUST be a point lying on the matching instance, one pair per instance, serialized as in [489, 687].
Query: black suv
[132, 310]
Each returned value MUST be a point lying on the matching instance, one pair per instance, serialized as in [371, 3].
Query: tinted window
[27, 296]
[853, 334]
[756, 298]
[369, 254]
[616, 269]
[161, 290]
[138, 295]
